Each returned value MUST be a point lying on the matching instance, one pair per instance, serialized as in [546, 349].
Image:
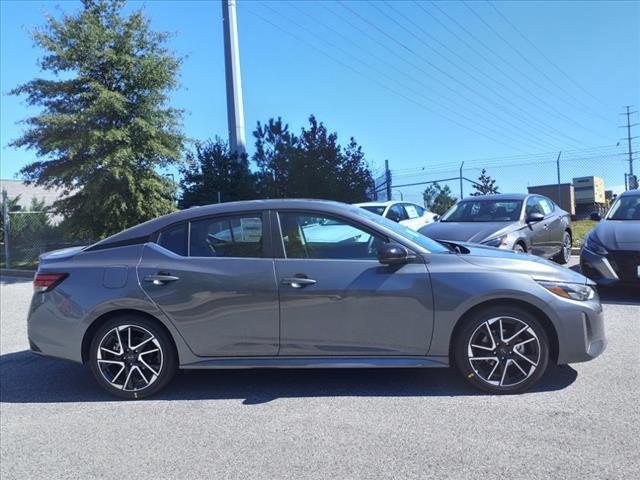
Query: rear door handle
[298, 282]
[160, 278]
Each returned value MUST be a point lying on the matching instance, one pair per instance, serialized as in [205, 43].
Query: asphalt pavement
[580, 422]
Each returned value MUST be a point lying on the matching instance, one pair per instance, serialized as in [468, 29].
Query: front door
[539, 231]
[218, 287]
[337, 299]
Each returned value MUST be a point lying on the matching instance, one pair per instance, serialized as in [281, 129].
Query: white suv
[408, 214]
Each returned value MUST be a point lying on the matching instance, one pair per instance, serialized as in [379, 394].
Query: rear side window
[412, 211]
[397, 213]
[175, 239]
[233, 236]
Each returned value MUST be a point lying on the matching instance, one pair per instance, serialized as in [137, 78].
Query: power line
[357, 59]
[542, 54]
[435, 67]
[533, 65]
[497, 94]
[357, 72]
[497, 55]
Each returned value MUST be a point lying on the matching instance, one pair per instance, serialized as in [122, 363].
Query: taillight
[45, 282]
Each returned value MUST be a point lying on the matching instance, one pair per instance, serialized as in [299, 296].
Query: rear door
[336, 298]
[214, 278]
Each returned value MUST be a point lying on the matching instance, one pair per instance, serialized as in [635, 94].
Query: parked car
[522, 222]
[611, 252]
[303, 284]
[409, 214]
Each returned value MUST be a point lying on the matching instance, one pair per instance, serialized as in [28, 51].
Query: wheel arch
[547, 324]
[105, 317]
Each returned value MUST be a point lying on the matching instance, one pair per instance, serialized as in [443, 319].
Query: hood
[475, 232]
[618, 234]
[538, 268]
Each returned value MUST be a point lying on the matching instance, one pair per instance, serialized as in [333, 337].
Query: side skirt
[320, 362]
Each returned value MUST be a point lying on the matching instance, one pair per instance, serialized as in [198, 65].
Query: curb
[12, 272]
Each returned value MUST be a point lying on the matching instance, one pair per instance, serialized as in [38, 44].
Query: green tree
[312, 165]
[438, 199]
[214, 170]
[485, 186]
[105, 127]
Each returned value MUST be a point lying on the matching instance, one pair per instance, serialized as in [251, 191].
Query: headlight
[594, 245]
[496, 242]
[574, 291]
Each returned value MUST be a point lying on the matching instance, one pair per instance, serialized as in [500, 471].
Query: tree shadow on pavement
[28, 378]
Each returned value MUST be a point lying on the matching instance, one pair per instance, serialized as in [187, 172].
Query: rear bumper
[613, 268]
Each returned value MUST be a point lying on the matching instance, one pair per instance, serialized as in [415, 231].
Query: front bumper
[616, 267]
[580, 330]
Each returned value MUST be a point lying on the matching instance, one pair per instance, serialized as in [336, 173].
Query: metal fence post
[6, 229]
[461, 192]
[558, 169]
[387, 173]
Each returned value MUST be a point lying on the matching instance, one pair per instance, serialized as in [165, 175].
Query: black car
[521, 222]
[611, 252]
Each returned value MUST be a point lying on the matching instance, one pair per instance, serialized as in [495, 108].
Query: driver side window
[318, 236]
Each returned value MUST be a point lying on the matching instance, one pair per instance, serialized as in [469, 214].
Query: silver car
[304, 283]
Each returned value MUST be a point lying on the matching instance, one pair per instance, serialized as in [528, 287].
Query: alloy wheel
[566, 247]
[129, 357]
[504, 351]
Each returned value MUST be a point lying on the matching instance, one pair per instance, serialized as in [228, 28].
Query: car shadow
[28, 378]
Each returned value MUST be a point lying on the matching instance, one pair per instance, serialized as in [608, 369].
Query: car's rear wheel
[564, 255]
[502, 350]
[132, 357]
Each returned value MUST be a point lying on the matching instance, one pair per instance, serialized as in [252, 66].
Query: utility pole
[235, 109]
[632, 179]
[461, 191]
[558, 170]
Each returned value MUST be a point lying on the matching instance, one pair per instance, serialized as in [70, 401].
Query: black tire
[564, 255]
[112, 338]
[519, 248]
[484, 374]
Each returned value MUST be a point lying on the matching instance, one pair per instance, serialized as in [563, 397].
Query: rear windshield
[377, 209]
[484, 211]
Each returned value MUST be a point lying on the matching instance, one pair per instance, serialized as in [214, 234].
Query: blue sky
[423, 85]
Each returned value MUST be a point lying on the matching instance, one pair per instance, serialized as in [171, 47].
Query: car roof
[630, 193]
[501, 196]
[148, 228]
[376, 204]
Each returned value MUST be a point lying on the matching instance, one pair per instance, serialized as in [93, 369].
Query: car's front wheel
[564, 255]
[132, 357]
[502, 349]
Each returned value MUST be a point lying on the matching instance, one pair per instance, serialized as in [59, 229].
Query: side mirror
[535, 217]
[393, 254]
[595, 216]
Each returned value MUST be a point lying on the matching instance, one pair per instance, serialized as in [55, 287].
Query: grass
[580, 229]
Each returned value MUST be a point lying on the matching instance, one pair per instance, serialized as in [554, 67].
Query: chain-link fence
[580, 181]
[28, 234]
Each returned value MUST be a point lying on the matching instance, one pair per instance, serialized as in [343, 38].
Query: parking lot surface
[582, 421]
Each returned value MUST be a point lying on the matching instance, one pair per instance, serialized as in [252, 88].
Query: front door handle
[161, 278]
[298, 282]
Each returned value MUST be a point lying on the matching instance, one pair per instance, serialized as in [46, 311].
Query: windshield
[625, 208]
[484, 211]
[377, 209]
[415, 237]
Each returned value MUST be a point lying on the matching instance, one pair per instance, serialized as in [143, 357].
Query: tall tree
[105, 127]
[312, 165]
[485, 186]
[213, 173]
[438, 199]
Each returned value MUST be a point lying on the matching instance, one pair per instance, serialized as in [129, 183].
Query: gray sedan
[524, 223]
[304, 284]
